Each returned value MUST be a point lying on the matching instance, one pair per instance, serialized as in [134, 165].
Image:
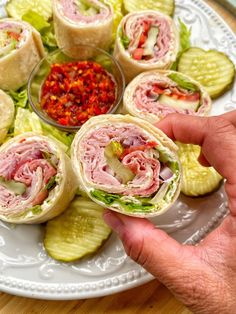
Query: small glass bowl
[79, 53]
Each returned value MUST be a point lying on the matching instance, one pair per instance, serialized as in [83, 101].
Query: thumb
[150, 247]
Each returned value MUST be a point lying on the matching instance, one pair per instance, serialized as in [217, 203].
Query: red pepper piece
[131, 149]
[138, 53]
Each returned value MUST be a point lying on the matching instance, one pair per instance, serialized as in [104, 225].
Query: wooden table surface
[152, 298]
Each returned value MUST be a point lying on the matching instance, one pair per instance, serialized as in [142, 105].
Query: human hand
[202, 277]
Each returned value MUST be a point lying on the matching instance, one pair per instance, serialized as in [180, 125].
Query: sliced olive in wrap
[146, 40]
[197, 180]
[87, 22]
[7, 110]
[21, 49]
[155, 94]
[126, 164]
[36, 179]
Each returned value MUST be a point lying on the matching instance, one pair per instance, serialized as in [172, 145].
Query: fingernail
[113, 220]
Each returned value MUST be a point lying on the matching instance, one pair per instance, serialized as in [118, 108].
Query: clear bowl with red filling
[67, 88]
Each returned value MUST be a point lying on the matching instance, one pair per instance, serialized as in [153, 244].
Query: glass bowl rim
[74, 128]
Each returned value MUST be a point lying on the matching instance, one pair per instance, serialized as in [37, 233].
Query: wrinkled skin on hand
[203, 277]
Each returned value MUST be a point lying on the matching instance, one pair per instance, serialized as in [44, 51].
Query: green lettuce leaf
[27, 121]
[182, 82]
[124, 39]
[185, 41]
[185, 36]
[20, 98]
[109, 199]
[63, 137]
[36, 20]
[45, 28]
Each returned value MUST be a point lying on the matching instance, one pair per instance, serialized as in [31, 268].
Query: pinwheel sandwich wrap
[36, 179]
[146, 40]
[82, 22]
[155, 94]
[126, 164]
[7, 111]
[21, 49]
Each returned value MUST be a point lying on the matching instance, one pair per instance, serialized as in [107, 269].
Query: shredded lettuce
[182, 82]
[45, 28]
[185, 41]
[107, 198]
[51, 183]
[124, 39]
[36, 210]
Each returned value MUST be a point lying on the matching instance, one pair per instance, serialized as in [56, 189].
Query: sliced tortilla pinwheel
[21, 49]
[126, 164]
[7, 111]
[155, 94]
[146, 40]
[87, 22]
[36, 179]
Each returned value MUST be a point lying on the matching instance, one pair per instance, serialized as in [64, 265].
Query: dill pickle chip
[17, 8]
[79, 231]
[164, 6]
[197, 180]
[213, 69]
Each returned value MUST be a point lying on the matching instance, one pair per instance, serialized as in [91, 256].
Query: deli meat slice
[154, 94]
[146, 40]
[126, 164]
[77, 23]
[34, 171]
[97, 171]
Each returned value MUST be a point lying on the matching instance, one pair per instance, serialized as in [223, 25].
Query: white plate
[26, 270]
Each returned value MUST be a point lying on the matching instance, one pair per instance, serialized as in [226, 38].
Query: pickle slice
[17, 8]
[79, 231]
[197, 180]
[213, 69]
[164, 6]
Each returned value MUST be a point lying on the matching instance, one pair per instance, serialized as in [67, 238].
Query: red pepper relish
[73, 92]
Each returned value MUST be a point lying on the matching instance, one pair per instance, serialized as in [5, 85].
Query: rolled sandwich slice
[87, 22]
[146, 40]
[155, 94]
[36, 179]
[7, 111]
[127, 165]
[21, 49]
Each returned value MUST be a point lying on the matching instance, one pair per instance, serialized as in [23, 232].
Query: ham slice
[140, 162]
[132, 28]
[18, 57]
[73, 27]
[141, 97]
[24, 163]
[135, 26]
[117, 160]
[71, 11]
[34, 171]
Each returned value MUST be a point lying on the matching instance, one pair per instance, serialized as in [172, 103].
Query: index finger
[184, 128]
